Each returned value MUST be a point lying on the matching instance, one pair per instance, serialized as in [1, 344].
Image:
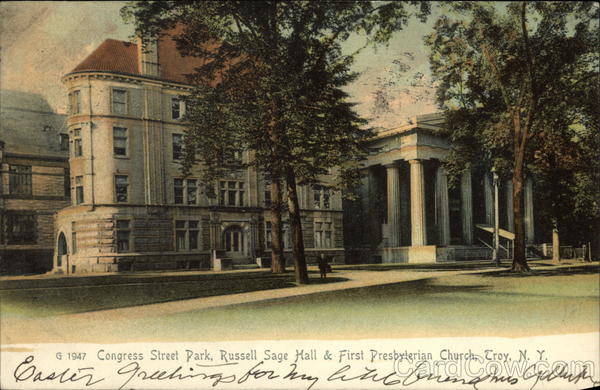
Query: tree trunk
[296, 227]
[519, 251]
[519, 255]
[277, 258]
[555, 242]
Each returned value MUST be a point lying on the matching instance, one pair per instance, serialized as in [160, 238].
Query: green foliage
[518, 82]
[272, 79]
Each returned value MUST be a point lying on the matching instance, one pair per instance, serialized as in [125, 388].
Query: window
[267, 193]
[119, 101]
[177, 146]
[233, 157]
[231, 193]
[186, 235]
[321, 197]
[74, 242]
[20, 228]
[67, 183]
[284, 233]
[323, 235]
[79, 199]
[177, 108]
[185, 191]
[121, 187]
[233, 238]
[178, 189]
[64, 142]
[123, 235]
[77, 147]
[120, 141]
[75, 102]
[62, 248]
[192, 191]
[19, 182]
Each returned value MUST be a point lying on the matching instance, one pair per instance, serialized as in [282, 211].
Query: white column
[488, 196]
[467, 208]
[528, 218]
[509, 206]
[393, 204]
[442, 211]
[417, 204]
[365, 182]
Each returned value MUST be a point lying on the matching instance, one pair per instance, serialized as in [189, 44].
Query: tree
[559, 165]
[503, 74]
[272, 85]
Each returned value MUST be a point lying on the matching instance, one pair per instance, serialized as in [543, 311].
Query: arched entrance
[62, 249]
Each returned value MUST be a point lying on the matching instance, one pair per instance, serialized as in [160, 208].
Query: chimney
[148, 64]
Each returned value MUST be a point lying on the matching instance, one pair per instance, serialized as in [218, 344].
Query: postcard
[299, 195]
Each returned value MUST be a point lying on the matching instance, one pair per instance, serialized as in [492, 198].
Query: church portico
[424, 220]
[409, 212]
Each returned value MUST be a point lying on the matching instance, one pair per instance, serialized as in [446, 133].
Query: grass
[76, 295]
[497, 303]
[461, 305]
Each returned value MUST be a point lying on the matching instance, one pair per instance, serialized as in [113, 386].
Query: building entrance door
[235, 242]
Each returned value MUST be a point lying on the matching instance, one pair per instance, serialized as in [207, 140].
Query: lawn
[497, 303]
[83, 294]
[47, 297]
[461, 305]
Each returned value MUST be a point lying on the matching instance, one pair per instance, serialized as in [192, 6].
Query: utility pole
[495, 251]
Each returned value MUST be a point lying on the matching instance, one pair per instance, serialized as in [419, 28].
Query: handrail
[486, 244]
[501, 232]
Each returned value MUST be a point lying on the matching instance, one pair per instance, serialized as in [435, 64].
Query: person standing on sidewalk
[323, 266]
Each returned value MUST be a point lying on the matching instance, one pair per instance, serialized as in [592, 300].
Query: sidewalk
[355, 279]
[189, 319]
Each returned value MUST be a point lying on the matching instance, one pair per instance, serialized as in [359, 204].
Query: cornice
[125, 77]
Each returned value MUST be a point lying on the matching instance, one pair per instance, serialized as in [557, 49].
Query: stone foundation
[417, 254]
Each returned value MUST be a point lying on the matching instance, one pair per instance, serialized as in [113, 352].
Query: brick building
[34, 180]
[131, 208]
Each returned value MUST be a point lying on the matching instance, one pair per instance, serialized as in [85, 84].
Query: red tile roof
[122, 57]
[111, 56]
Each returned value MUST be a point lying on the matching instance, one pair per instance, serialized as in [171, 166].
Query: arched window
[62, 249]
[233, 238]
[62, 245]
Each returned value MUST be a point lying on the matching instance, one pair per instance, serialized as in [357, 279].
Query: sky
[42, 41]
